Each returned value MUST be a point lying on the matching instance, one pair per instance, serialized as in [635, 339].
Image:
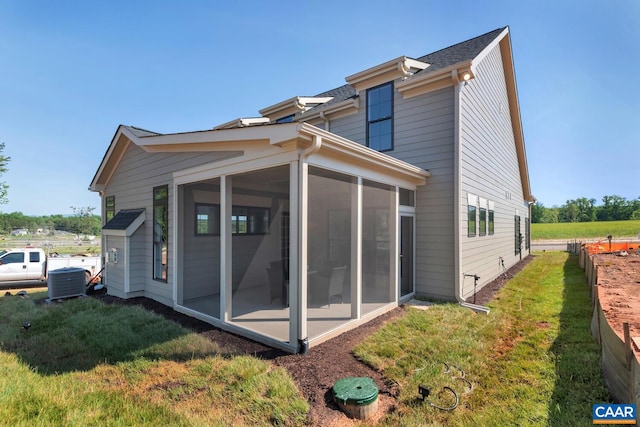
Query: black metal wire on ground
[425, 392]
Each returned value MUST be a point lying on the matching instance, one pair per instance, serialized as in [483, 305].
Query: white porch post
[225, 249]
[295, 255]
[356, 252]
[394, 253]
[300, 183]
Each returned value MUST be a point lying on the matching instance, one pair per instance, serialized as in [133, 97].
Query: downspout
[326, 121]
[457, 185]
[303, 342]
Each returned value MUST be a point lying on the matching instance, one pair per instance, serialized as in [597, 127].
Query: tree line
[83, 221]
[613, 208]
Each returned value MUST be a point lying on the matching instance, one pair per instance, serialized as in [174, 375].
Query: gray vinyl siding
[354, 126]
[489, 169]
[114, 275]
[132, 184]
[137, 266]
[423, 136]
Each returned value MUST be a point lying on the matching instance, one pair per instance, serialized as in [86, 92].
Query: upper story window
[109, 207]
[380, 117]
[286, 119]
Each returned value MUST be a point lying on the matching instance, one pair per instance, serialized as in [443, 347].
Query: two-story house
[329, 210]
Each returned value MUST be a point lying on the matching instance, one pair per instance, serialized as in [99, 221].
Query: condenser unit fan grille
[66, 282]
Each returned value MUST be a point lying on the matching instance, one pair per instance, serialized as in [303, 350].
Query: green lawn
[530, 361]
[83, 363]
[586, 230]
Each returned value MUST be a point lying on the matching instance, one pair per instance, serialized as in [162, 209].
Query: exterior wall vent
[66, 282]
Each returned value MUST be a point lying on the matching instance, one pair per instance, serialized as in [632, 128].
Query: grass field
[531, 361]
[586, 230]
[83, 363]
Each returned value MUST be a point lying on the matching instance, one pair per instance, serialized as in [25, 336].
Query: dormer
[292, 106]
[243, 122]
[398, 68]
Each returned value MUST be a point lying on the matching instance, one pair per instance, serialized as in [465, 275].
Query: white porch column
[225, 249]
[299, 236]
[356, 252]
[295, 314]
[394, 242]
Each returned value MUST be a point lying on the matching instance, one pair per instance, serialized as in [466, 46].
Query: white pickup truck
[32, 264]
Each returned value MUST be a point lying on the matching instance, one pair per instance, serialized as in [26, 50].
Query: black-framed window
[482, 231]
[248, 220]
[471, 220]
[491, 222]
[517, 235]
[160, 232]
[286, 119]
[380, 117]
[109, 208]
[207, 219]
[527, 222]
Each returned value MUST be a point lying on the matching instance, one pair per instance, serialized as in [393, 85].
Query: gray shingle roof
[123, 219]
[442, 58]
[139, 132]
[458, 52]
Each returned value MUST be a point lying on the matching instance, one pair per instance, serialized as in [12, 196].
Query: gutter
[457, 167]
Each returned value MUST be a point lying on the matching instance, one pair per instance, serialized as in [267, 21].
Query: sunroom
[298, 237]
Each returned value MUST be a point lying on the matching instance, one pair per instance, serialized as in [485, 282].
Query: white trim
[303, 235]
[233, 328]
[295, 315]
[226, 249]
[356, 252]
[388, 71]
[242, 122]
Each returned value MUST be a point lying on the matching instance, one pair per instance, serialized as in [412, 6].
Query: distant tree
[569, 212]
[614, 208]
[550, 215]
[4, 188]
[537, 212]
[85, 222]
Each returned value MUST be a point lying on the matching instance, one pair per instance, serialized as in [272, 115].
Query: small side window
[34, 256]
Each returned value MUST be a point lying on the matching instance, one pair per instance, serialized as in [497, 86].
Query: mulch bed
[315, 372]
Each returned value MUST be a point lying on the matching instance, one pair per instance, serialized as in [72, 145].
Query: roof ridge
[497, 31]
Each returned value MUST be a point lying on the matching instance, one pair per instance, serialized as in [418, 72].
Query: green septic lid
[355, 390]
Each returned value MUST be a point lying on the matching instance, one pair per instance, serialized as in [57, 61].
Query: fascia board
[336, 111]
[354, 150]
[111, 158]
[388, 71]
[514, 111]
[268, 133]
[135, 224]
[292, 106]
[242, 122]
[423, 83]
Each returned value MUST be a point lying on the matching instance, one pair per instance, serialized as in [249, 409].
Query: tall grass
[586, 230]
[531, 361]
[84, 363]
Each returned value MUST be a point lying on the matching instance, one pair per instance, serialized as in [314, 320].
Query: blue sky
[72, 71]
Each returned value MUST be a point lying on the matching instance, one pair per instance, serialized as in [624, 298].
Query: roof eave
[514, 111]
